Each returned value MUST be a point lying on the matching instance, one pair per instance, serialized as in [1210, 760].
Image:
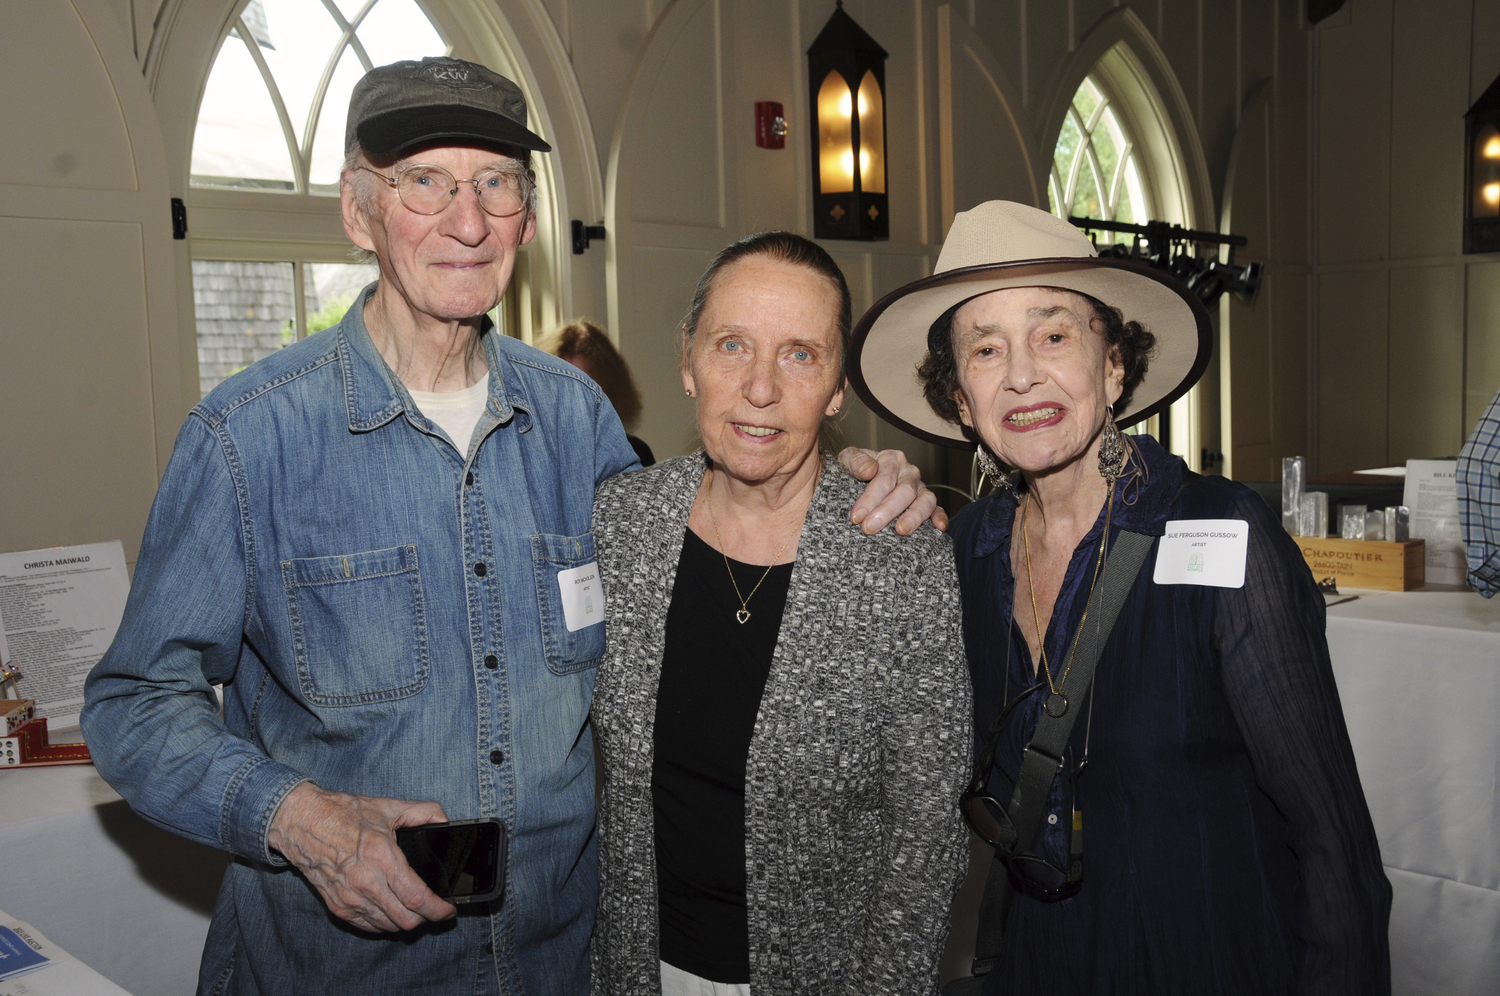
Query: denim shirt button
[496, 757]
[491, 661]
[479, 569]
[469, 479]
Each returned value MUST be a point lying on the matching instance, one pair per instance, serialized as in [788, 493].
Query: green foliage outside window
[330, 314]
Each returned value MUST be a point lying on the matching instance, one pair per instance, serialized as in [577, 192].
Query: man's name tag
[1203, 551]
[582, 597]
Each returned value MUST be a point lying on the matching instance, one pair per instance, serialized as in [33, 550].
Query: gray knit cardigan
[854, 841]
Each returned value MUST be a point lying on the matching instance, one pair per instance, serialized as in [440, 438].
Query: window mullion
[1073, 167]
[1098, 113]
[1119, 178]
[315, 110]
[1098, 171]
[351, 27]
[360, 53]
[348, 38]
[299, 294]
[299, 172]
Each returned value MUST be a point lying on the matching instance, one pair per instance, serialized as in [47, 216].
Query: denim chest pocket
[556, 560]
[359, 626]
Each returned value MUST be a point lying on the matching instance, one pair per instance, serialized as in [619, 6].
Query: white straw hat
[1003, 244]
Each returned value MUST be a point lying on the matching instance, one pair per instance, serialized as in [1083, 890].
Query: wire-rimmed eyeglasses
[428, 190]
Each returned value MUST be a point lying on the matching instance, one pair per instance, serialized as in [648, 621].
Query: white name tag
[1203, 551]
[582, 597]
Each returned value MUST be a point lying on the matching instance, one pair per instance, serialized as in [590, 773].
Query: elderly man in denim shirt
[361, 538]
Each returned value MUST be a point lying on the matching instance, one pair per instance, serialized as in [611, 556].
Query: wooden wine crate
[1366, 563]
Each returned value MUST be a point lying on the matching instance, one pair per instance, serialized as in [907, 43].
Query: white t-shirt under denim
[455, 412]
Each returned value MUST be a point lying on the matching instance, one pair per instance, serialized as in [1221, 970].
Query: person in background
[1478, 481]
[362, 538]
[782, 710]
[587, 347]
[1204, 830]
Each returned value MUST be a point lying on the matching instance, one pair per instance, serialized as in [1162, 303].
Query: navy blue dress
[1227, 845]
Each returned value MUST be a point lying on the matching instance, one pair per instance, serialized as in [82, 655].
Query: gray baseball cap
[408, 103]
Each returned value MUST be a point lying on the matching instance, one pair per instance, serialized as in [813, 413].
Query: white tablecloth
[1419, 676]
[128, 900]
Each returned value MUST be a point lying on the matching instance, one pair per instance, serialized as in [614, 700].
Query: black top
[1228, 850]
[713, 672]
[643, 452]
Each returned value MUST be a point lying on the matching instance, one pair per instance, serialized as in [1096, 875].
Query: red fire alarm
[770, 125]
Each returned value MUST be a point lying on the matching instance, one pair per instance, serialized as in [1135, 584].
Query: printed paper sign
[1203, 551]
[1432, 496]
[59, 610]
[582, 596]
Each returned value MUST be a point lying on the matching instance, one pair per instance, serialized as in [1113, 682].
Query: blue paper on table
[16, 956]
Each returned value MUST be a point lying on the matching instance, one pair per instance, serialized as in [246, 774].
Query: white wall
[92, 373]
[1407, 328]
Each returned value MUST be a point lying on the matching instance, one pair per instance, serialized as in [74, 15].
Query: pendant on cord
[743, 616]
[1056, 705]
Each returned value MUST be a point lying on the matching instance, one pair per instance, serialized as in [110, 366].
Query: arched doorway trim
[1152, 102]
[1123, 56]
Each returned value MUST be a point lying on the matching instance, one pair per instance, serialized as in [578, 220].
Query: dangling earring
[987, 465]
[990, 468]
[1111, 449]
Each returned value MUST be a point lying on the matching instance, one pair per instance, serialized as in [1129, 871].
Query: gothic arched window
[1096, 172]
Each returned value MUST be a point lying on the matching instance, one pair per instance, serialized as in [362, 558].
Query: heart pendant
[1056, 705]
[742, 616]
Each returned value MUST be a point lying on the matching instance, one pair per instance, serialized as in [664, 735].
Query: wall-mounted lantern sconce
[1482, 173]
[846, 83]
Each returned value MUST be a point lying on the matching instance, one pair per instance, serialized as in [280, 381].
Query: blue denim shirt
[384, 614]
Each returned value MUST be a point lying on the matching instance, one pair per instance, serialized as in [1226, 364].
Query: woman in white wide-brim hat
[1229, 848]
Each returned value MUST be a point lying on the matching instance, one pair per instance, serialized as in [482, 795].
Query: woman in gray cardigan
[783, 709]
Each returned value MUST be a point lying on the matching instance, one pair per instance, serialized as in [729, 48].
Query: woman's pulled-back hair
[938, 371]
[581, 339]
[783, 247]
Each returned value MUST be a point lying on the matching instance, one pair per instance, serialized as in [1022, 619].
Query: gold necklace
[1056, 703]
[743, 615]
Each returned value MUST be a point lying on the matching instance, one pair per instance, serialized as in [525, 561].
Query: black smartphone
[463, 861]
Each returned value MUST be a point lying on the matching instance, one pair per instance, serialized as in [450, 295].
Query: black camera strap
[1043, 757]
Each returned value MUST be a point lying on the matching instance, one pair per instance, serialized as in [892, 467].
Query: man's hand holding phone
[345, 845]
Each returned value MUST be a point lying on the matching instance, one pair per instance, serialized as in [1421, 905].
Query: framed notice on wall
[59, 610]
